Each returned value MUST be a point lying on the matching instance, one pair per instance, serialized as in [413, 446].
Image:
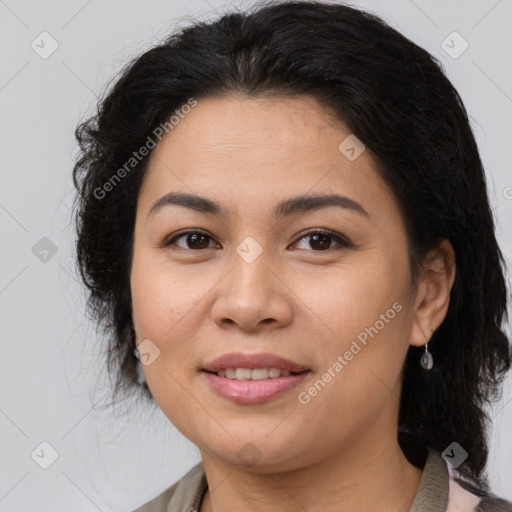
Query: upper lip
[251, 361]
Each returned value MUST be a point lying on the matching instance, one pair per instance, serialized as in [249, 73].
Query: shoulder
[443, 489]
[463, 497]
[186, 494]
[494, 505]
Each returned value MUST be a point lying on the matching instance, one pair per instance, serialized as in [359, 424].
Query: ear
[433, 292]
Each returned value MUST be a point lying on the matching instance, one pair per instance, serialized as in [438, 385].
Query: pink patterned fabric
[460, 500]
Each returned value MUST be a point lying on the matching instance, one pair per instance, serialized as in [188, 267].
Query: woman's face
[261, 279]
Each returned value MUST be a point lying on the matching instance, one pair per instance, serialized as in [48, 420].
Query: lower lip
[253, 391]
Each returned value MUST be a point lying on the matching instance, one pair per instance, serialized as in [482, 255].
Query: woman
[283, 220]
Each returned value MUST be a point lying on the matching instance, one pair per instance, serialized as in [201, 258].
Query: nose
[252, 297]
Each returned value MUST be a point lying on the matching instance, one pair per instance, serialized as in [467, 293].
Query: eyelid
[341, 240]
[338, 237]
[171, 238]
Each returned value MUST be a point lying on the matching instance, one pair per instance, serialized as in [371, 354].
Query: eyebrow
[287, 207]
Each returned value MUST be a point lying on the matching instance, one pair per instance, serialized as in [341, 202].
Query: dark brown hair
[395, 98]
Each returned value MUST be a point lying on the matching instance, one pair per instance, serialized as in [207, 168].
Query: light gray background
[52, 387]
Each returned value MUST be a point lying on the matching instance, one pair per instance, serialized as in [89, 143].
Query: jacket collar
[432, 494]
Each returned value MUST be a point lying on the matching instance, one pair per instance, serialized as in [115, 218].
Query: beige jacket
[439, 491]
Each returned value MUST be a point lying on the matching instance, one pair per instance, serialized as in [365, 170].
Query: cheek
[363, 315]
[348, 299]
[167, 308]
[160, 304]
[161, 296]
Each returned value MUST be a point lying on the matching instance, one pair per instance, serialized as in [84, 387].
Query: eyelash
[343, 243]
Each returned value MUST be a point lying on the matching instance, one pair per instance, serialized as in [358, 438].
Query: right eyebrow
[291, 206]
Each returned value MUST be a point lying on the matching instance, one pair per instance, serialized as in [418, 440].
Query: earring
[427, 361]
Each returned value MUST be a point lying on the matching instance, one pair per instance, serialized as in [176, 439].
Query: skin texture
[295, 300]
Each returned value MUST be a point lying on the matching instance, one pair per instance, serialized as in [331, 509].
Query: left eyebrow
[287, 207]
[302, 204]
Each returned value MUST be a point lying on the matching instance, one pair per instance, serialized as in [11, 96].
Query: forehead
[284, 126]
[253, 152]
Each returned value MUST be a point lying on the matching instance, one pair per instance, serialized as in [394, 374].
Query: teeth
[243, 374]
[256, 374]
[274, 372]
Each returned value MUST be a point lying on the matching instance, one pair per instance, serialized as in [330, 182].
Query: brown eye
[321, 240]
[193, 240]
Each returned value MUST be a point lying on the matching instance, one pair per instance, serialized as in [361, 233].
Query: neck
[366, 477]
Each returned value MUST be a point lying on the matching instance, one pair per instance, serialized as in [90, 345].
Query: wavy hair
[395, 97]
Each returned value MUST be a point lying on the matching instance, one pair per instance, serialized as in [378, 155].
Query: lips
[253, 391]
[253, 361]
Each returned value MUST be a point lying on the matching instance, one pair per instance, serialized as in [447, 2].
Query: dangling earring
[427, 361]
